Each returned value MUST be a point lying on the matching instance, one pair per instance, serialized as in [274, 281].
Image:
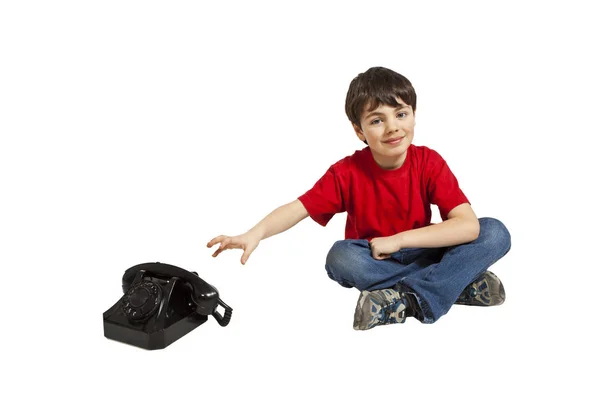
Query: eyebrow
[400, 107]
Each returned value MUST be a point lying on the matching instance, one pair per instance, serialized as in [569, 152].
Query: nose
[392, 126]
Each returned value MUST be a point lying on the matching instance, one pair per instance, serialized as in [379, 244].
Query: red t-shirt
[383, 202]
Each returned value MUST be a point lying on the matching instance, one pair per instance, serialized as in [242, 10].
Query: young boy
[402, 263]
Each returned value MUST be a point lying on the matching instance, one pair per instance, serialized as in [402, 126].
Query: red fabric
[383, 202]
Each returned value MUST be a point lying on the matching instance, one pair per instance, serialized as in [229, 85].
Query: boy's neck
[389, 163]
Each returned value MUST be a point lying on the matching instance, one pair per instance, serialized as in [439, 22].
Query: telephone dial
[161, 303]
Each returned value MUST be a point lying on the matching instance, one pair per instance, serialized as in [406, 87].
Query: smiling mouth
[394, 140]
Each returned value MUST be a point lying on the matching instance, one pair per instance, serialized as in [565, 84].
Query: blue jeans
[435, 276]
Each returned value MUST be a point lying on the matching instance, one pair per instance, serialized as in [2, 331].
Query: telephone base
[153, 340]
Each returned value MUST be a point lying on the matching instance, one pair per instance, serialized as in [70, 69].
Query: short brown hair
[376, 86]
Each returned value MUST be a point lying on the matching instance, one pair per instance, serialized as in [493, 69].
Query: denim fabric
[435, 276]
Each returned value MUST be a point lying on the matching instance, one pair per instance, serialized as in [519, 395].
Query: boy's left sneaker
[380, 307]
[487, 290]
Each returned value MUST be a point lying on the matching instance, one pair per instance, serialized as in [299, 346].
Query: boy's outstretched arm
[279, 220]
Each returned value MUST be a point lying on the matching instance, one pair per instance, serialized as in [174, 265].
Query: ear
[359, 133]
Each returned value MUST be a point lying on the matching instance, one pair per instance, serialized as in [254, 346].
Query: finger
[373, 250]
[225, 243]
[245, 257]
[224, 246]
[221, 249]
[215, 240]
[374, 253]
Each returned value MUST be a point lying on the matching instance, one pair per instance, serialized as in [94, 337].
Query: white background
[134, 132]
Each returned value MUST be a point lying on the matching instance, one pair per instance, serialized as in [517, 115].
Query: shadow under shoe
[487, 290]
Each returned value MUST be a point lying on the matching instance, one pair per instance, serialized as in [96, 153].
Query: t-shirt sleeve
[325, 199]
[442, 186]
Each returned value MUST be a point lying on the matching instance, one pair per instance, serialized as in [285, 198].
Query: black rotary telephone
[161, 303]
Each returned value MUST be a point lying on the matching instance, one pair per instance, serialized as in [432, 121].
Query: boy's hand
[248, 242]
[382, 247]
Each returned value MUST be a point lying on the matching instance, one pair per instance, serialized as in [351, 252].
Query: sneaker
[487, 290]
[380, 307]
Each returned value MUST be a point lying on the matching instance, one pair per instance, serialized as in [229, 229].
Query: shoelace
[387, 311]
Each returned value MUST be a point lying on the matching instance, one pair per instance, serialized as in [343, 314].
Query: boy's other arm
[462, 226]
[279, 220]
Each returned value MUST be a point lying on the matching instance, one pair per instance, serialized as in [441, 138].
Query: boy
[402, 264]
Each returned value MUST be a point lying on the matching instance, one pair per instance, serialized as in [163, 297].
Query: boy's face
[389, 132]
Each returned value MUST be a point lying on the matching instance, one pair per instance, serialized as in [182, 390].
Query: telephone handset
[161, 303]
[204, 296]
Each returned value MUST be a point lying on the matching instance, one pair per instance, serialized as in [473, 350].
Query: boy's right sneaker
[487, 290]
[380, 307]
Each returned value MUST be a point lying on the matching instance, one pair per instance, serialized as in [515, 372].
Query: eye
[402, 115]
[375, 121]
